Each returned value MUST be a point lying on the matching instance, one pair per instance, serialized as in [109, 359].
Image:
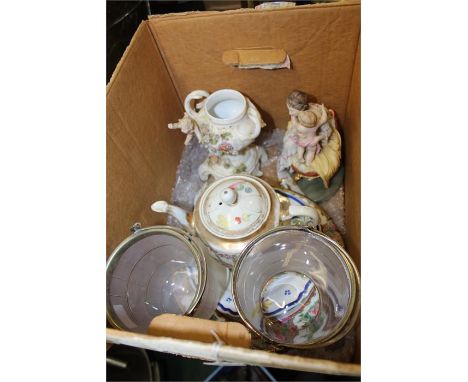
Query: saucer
[285, 293]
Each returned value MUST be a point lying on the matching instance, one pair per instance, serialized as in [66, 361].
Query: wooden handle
[197, 329]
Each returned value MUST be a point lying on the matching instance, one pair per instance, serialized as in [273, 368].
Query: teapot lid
[235, 207]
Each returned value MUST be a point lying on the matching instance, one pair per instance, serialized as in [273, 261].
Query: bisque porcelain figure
[226, 123]
[311, 152]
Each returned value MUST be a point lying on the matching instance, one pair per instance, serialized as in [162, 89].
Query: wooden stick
[222, 353]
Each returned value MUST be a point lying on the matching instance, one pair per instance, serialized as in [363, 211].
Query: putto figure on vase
[310, 161]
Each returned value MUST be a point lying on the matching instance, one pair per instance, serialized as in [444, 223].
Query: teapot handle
[196, 94]
[303, 211]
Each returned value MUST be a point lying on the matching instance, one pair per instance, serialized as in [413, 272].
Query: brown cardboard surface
[321, 42]
[352, 135]
[352, 151]
[142, 154]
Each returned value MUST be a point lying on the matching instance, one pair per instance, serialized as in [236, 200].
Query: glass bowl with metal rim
[296, 287]
[158, 270]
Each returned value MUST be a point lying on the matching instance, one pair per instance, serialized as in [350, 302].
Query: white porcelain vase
[226, 123]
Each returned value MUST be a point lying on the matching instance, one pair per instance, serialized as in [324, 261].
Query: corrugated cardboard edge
[352, 123]
[246, 10]
[223, 353]
[353, 176]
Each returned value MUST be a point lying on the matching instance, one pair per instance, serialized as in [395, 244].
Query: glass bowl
[160, 270]
[297, 288]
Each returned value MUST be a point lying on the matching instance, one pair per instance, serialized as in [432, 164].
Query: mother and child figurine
[311, 154]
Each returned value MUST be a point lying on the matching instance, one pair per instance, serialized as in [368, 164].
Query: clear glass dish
[296, 287]
[161, 270]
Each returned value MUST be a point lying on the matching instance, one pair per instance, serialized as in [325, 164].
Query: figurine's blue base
[315, 190]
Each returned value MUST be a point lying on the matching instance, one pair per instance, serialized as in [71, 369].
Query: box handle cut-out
[257, 58]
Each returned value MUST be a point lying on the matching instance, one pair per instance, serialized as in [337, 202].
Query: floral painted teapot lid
[234, 207]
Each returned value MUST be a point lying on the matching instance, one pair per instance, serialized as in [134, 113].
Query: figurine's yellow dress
[325, 163]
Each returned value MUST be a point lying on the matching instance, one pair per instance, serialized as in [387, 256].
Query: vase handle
[196, 94]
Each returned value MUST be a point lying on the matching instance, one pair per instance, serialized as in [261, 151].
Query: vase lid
[235, 207]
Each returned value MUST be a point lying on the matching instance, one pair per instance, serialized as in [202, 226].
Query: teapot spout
[180, 214]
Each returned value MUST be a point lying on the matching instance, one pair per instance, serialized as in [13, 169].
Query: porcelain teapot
[231, 211]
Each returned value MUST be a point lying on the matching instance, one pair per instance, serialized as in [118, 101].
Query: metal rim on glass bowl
[140, 233]
[354, 311]
[348, 320]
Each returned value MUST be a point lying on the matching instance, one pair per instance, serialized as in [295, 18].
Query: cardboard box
[171, 55]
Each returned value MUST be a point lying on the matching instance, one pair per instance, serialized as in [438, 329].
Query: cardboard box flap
[141, 101]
